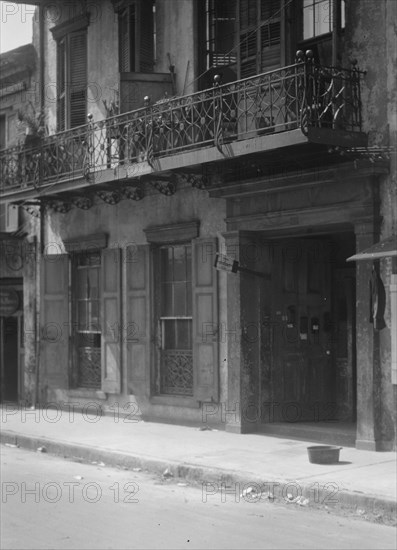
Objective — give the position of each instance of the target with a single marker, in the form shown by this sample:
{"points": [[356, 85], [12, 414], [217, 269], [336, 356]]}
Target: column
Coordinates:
{"points": [[367, 349], [242, 408]]}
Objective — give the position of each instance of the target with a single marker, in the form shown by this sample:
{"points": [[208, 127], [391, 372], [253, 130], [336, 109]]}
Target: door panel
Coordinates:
{"points": [[302, 376]]}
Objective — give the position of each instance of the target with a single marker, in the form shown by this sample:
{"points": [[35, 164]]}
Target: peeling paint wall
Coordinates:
{"points": [[372, 40]]}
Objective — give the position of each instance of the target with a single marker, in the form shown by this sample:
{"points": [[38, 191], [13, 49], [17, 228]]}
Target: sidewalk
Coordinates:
{"points": [[363, 481]]}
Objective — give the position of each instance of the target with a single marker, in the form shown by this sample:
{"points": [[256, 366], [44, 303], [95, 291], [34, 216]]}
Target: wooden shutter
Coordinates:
{"points": [[54, 321], [205, 320], [78, 78], [138, 317], [260, 24], [127, 22], [270, 35], [111, 320], [145, 33]]}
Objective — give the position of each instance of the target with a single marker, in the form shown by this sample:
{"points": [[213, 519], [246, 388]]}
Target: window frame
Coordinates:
{"points": [[341, 20], [162, 316], [77, 333], [131, 20], [63, 34]]}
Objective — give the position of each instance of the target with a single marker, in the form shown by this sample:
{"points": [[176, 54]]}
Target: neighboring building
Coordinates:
{"points": [[186, 128], [18, 97]]}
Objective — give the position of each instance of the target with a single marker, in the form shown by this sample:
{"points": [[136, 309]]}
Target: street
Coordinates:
{"points": [[52, 503]]}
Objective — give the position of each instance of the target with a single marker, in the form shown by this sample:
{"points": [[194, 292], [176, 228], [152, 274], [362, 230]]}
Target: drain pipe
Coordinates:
{"points": [[40, 232], [39, 253]]}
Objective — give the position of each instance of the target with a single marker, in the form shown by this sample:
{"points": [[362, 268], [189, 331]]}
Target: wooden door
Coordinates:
{"points": [[302, 376]]}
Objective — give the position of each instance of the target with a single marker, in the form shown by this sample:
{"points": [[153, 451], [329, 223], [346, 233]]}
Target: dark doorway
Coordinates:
{"points": [[308, 338], [9, 359]]}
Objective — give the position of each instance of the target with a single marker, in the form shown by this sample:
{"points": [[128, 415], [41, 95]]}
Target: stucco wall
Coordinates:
{"points": [[175, 35], [125, 223], [372, 40]]}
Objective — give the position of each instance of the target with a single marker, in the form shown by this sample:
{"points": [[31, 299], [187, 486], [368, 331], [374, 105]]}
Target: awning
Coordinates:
{"points": [[387, 247]]}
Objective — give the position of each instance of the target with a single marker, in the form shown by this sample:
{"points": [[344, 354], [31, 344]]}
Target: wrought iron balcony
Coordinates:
{"points": [[322, 103]]}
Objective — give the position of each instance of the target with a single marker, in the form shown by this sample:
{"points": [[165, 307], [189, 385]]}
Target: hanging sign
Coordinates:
{"points": [[225, 263], [9, 302]]}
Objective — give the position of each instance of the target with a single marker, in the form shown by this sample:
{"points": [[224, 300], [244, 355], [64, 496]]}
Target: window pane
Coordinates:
{"points": [[188, 263], [166, 264], [179, 263], [308, 20], [343, 14], [179, 299], [93, 283], [93, 318], [166, 300], [81, 290], [169, 334], [188, 298], [322, 20], [184, 334], [82, 315]]}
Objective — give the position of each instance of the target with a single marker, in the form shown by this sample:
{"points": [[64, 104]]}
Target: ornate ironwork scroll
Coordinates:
{"points": [[89, 367], [176, 372]]}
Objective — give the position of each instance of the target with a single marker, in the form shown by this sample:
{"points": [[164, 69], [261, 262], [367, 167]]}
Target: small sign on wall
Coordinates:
{"points": [[225, 263], [9, 302]]}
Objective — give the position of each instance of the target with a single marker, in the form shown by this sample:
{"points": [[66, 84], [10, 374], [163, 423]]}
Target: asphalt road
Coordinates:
{"points": [[52, 503]]}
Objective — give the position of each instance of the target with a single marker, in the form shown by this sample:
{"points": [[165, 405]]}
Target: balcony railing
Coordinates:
{"points": [[303, 95]]}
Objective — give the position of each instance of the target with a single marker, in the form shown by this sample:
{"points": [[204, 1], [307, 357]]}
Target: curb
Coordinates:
{"points": [[214, 480]]}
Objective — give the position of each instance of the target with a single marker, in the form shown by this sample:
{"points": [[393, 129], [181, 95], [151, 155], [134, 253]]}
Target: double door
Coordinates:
{"points": [[299, 331]]}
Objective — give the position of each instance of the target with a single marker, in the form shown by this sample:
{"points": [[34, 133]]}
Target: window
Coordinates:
{"points": [[137, 36], [71, 38], [87, 325], [176, 357], [72, 80], [260, 36], [318, 17], [220, 33]]}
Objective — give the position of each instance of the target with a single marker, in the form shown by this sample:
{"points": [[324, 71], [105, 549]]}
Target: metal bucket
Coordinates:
{"points": [[323, 454]]}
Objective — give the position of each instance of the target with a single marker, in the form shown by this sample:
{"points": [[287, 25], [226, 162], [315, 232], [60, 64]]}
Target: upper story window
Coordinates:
{"points": [[240, 38], [220, 36], [137, 36], [71, 38], [318, 17]]}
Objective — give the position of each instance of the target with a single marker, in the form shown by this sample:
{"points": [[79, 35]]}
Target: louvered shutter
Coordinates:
{"points": [[137, 332], [78, 78], [111, 320], [205, 321], [54, 321], [124, 49], [248, 37], [61, 86], [260, 36], [145, 32], [270, 35]]}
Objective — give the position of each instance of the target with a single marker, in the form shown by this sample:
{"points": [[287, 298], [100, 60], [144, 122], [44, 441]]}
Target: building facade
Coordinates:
{"points": [[191, 133], [18, 226]]}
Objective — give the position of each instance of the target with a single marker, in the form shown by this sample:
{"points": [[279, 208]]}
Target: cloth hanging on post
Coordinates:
{"points": [[377, 300]]}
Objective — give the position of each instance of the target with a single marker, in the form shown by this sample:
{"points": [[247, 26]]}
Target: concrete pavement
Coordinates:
{"points": [[363, 482]]}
